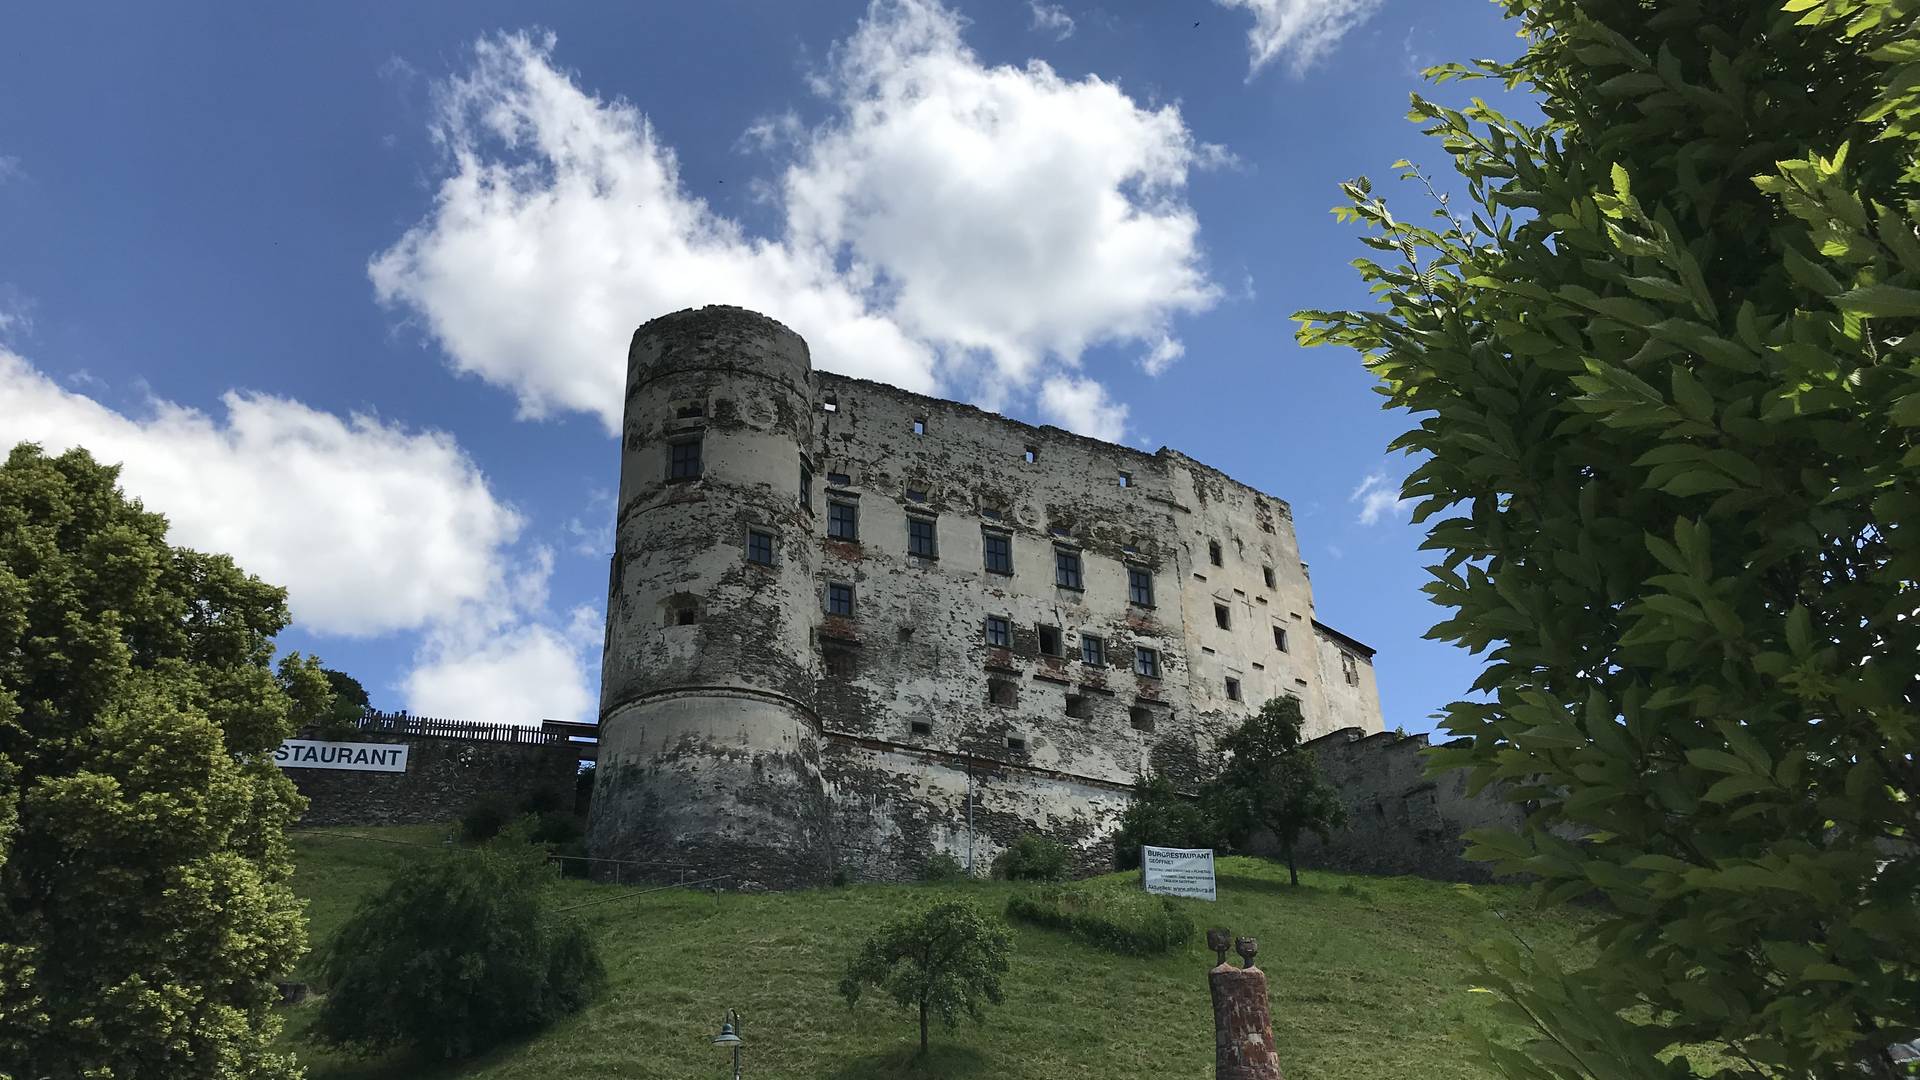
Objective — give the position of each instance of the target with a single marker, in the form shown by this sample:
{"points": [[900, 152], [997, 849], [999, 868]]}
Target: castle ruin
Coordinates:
{"points": [[850, 626]]}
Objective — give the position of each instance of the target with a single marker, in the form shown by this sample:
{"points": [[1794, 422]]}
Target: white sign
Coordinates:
{"points": [[1172, 871], [357, 756]]}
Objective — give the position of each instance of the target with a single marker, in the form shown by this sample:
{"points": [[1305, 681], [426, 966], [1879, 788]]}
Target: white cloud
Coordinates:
{"points": [[1084, 406], [523, 674], [590, 532], [1379, 499], [950, 228], [1052, 19], [1299, 31], [10, 168]]}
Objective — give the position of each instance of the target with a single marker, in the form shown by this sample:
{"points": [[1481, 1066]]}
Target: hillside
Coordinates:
{"points": [[1366, 981]]}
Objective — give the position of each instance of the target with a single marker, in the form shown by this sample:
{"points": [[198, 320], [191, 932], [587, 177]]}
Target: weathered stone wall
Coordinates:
{"points": [[443, 778], [1399, 821], [769, 732]]}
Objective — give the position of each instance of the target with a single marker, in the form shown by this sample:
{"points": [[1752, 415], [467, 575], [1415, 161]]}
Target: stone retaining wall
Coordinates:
{"points": [[444, 777]]}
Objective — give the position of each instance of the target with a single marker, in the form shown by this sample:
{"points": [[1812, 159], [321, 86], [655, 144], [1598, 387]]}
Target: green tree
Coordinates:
{"points": [[458, 953], [350, 702], [1033, 857], [1270, 781], [1162, 817], [942, 961], [143, 860], [1662, 372]]}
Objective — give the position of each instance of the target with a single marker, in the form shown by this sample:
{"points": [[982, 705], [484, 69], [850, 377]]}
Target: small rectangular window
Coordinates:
{"points": [[1079, 707], [999, 551], [1268, 572], [1350, 669], [1139, 586], [683, 459], [830, 404], [1002, 692], [922, 727], [1032, 454], [1146, 662], [1280, 638], [1015, 742], [999, 632], [1141, 718], [843, 521], [806, 487], [1233, 689], [990, 513], [915, 495], [919, 425], [1213, 552], [920, 538], [1126, 479], [1222, 617], [1093, 650], [1066, 568], [690, 411], [686, 617], [839, 479], [760, 547], [1049, 640], [839, 599]]}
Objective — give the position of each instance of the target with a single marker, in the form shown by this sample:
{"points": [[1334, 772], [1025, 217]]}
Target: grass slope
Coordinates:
{"points": [[1366, 981]]}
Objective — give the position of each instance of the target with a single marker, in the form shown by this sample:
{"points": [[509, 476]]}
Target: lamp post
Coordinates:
{"points": [[729, 1037]]}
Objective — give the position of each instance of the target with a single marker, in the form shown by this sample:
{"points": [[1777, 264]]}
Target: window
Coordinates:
{"points": [[1066, 568], [919, 425], [690, 411], [1267, 571], [922, 727], [999, 632], [1350, 669], [1233, 689], [999, 551], [1093, 650], [839, 662], [1002, 692], [1060, 529], [920, 540], [839, 599], [1049, 640], [990, 513], [1213, 552], [1079, 707], [843, 521], [760, 547], [686, 616], [915, 495], [830, 404], [1032, 454], [1141, 717], [806, 487], [1222, 617], [1126, 479], [1016, 743], [1139, 586], [683, 459], [1146, 662], [1280, 638], [839, 479]]}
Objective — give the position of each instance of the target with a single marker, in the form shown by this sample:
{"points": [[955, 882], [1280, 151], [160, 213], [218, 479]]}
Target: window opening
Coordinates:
{"points": [[920, 537], [760, 547], [839, 599], [843, 521], [1146, 662], [999, 632], [1141, 718], [1213, 552], [1222, 617], [1079, 707], [683, 459], [1139, 586], [1049, 640], [1233, 689], [998, 548], [1066, 568], [1093, 650]]}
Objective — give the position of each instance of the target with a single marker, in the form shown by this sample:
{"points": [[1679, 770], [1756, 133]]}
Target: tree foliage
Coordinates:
{"points": [[1270, 781], [1033, 857], [1664, 377], [943, 961], [459, 953], [350, 702], [144, 899], [1159, 816]]}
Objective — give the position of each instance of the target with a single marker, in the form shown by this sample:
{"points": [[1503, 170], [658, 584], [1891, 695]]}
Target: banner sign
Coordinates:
{"points": [[356, 756], [1173, 871]]}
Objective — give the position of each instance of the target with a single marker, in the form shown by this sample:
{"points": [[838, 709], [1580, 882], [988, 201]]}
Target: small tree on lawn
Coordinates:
{"points": [[460, 952], [942, 961], [1271, 781]]}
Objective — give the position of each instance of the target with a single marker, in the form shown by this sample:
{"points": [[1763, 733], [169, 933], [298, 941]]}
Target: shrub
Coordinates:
{"points": [[1160, 816], [555, 828], [1032, 858], [943, 866], [484, 819], [1131, 923], [944, 960], [459, 953]]}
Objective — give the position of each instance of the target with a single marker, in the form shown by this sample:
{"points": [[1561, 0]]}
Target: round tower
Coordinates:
{"points": [[709, 745]]}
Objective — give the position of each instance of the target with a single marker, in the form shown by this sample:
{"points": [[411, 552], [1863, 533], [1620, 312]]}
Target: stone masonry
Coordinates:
{"points": [[444, 777], [850, 626]]}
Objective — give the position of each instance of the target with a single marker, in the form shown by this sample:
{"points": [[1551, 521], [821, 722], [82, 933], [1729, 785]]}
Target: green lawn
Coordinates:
{"points": [[1364, 985]]}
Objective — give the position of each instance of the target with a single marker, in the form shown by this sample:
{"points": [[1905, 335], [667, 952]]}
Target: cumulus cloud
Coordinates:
{"points": [[950, 227], [1051, 19], [1299, 32], [1084, 406], [372, 529], [1379, 499]]}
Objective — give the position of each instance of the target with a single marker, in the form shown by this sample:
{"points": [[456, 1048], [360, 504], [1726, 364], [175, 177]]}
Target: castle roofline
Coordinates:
{"points": [[1345, 638], [1162, 455]]}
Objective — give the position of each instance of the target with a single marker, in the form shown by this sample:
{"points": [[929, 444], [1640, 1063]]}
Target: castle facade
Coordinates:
{"points": [[850, 626]]}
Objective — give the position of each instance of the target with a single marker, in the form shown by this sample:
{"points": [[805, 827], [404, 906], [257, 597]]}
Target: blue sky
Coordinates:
{"points": [[348, 287]]}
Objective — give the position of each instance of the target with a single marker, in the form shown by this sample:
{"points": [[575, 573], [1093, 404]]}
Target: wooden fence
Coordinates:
{"points": [[405, 723]]}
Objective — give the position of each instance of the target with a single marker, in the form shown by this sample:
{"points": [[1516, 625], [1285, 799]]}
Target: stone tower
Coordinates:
{"points": [[709, 739]]}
